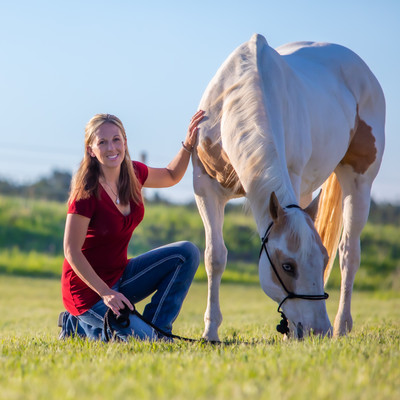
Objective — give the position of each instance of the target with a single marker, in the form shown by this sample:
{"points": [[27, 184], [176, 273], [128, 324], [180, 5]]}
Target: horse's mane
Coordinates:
{"points": [[244, 121]]}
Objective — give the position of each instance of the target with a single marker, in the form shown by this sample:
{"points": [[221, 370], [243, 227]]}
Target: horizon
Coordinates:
{"points": [[155, 194]]}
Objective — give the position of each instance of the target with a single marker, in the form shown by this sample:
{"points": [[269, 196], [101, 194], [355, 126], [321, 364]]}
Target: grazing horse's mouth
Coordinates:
{"points": [[300, 330]]}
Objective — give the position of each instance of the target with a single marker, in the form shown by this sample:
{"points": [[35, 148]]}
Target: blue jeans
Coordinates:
{"points": [[167, 272]]}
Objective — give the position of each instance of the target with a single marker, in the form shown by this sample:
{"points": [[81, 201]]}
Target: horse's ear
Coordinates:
{"points": [[312, 208], [275, 208]]}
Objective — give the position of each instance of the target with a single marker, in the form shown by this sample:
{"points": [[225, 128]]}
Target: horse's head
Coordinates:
{"points": [[292, 263]]}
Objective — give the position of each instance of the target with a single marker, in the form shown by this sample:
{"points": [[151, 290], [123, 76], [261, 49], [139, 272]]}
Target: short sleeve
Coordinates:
{"points": [[141, 171], [85, 207]]}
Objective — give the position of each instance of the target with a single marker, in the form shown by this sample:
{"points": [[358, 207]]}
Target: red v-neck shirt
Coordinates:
{"points": [[105, 246]]}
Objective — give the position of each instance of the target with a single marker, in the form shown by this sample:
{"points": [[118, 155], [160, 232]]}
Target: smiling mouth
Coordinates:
{"points": [[112, 157]]}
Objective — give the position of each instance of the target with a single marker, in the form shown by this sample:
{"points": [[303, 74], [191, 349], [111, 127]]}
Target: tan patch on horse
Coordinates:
{"points": [[278, 259], [218, 166], [362, 151], [293, 242]]}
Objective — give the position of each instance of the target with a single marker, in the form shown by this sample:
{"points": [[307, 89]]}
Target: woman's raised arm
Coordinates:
{"points": [[174, 172]]}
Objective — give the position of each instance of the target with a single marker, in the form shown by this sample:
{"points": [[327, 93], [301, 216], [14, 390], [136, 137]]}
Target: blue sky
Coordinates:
{"points": [[149, 62]]}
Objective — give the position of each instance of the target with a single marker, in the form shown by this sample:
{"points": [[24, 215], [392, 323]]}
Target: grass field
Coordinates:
{"points": [[255, 364]]}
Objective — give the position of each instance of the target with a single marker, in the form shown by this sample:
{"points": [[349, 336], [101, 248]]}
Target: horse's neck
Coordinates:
{"points": [[255, 144], [256, 155], [241, 116]]}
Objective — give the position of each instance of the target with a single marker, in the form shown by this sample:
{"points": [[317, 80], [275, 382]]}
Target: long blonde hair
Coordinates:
{"points": [[86, 180]]}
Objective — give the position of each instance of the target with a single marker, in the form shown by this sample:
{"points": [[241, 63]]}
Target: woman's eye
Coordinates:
{"points": [[289, 268]]}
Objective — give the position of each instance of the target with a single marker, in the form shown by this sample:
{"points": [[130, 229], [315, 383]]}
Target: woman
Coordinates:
{"points": [[104, 208]]}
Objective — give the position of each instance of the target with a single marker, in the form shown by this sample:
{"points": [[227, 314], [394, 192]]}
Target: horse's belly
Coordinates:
{"points": [[318, 170], [311, 182]]}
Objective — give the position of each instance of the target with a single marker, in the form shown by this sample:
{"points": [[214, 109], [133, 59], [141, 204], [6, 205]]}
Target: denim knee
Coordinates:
{"points": [[191, 253]]}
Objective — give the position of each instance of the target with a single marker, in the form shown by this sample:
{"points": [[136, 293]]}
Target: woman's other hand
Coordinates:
{"points": [[116, 301]]}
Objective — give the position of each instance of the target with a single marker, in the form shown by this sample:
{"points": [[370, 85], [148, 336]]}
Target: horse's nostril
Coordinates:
{"points": [[300, 332]]}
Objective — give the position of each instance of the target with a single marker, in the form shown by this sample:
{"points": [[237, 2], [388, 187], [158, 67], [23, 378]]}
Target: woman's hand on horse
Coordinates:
{"points": [[193, 129], [116, 301]]}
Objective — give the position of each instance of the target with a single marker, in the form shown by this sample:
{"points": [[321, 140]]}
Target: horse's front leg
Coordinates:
{"points": [[211, 209]]}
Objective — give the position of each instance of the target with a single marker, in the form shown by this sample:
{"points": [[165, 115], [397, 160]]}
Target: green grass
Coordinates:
{"points": [[30, 263], [254, 364], [257, 364]]}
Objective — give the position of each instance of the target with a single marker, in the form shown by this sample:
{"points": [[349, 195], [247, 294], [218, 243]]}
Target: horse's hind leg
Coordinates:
{"points": [[355, 173], [211, 206], [356, 201]]}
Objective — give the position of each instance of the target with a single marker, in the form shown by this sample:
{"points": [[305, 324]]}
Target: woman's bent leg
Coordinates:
{"points": [[72, 326], [167, 272]]}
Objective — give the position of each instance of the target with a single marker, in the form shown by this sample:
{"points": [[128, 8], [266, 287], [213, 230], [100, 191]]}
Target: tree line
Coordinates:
{"points": [[56, 187]]}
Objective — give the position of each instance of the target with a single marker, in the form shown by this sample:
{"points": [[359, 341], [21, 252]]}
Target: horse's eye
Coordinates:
{"points": [[288, 268]]}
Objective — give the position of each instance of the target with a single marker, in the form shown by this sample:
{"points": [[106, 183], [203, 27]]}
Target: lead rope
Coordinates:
{"points": [[123, 321]]}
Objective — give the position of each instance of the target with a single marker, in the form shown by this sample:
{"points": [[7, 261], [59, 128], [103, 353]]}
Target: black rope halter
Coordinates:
{"points": [[283, 326]]}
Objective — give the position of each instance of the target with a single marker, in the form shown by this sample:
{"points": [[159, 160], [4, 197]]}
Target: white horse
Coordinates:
{"points": [[280, 123]]}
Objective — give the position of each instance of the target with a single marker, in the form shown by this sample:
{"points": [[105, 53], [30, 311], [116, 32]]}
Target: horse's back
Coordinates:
{"points": [[329, 56], [333, 63], [339, 90]]}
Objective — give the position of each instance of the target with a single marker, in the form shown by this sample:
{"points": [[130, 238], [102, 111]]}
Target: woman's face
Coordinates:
{"points": [[108, 146]]}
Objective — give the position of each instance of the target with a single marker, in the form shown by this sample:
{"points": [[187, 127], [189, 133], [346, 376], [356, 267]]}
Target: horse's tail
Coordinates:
{"points": [[329, 219]]}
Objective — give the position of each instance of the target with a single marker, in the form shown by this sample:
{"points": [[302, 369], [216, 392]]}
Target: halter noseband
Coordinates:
{"points": [[283, 327]]}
